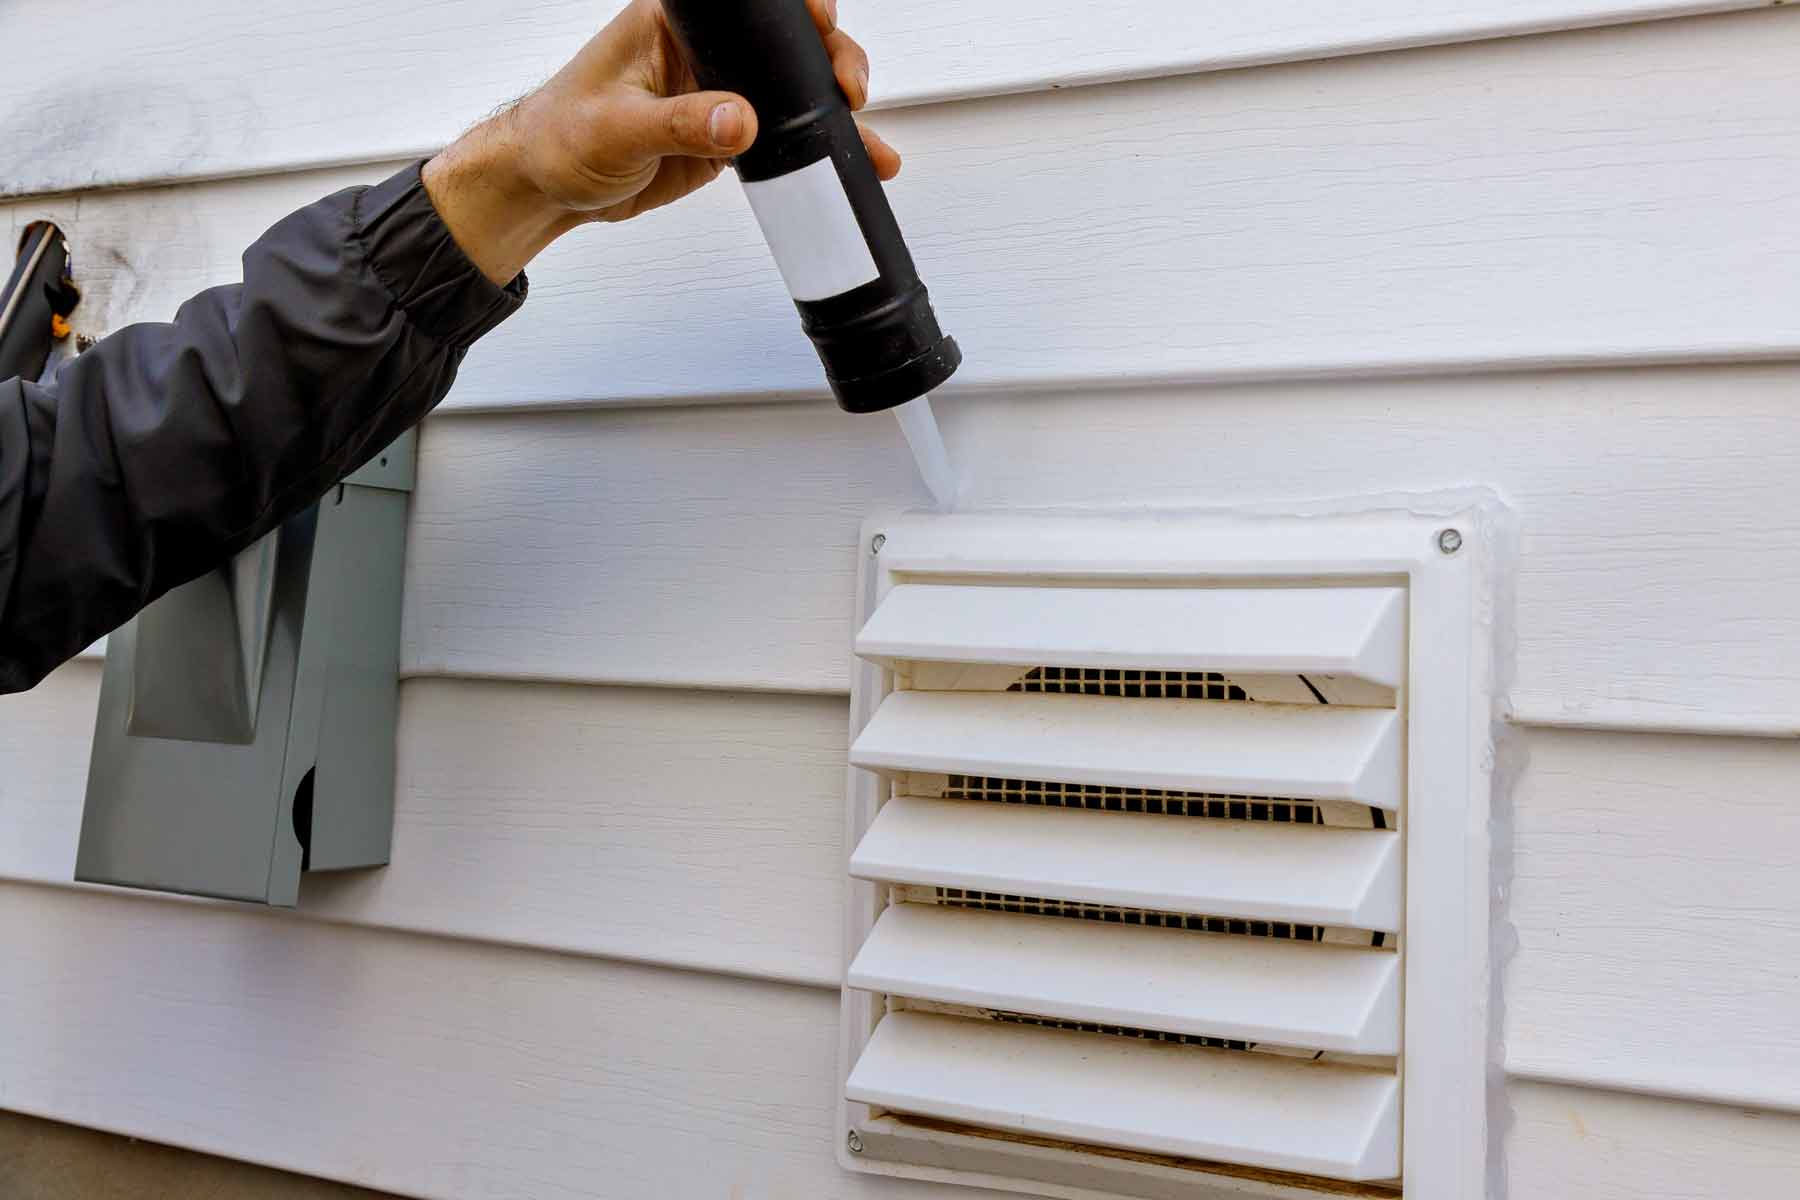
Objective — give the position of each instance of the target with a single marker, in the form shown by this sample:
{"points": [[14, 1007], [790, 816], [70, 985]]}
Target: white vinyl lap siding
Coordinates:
{"points": [[315, 89], [1447, 209], [1585, 1002], [519, 567], [605, 958]]}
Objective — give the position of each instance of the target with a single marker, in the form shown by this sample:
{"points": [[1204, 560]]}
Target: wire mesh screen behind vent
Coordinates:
{"points": [[1152, 801], [1139, 684], [1107, 885], [1036, 906]]}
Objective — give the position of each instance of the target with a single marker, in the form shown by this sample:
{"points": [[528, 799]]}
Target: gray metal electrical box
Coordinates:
{"points": [[246, 725]]}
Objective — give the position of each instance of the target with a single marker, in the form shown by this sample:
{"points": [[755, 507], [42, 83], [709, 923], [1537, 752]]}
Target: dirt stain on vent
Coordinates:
{"points": [[1159, 685], [1217, 806], [1077, 910]]}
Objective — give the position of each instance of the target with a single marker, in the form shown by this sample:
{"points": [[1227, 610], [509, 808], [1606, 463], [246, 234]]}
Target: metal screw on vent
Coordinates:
{"points": [[855, 1142], [877, 542], [1450, 541]]}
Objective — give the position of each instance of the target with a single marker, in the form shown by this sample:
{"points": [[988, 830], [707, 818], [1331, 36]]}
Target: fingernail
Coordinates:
{"points": [[725, 125], [862, 81], [831, 12]]}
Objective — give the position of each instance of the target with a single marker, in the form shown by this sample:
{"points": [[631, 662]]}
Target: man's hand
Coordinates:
{"points": [[620, 130]]}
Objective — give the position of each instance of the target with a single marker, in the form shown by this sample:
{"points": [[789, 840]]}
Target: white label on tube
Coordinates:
{"points": [[811, 229]]}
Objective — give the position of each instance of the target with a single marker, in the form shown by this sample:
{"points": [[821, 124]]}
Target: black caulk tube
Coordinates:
{"points": [[820, 203]]}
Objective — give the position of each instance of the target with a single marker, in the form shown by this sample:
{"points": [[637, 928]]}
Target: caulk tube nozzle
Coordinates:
{"points": [[819, 201]]}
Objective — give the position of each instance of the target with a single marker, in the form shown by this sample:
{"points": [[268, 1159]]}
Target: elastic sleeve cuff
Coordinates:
{"points": [[410, 249]]}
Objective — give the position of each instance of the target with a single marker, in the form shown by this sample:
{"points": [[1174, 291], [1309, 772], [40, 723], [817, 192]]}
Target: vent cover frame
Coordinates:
{"points": [[1447, 766]]}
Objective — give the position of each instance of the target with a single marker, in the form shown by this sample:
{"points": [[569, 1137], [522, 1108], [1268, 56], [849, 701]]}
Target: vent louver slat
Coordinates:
{"points": [[1177, 864], [1322, 753], [1257, 1110], [1349, 632], [1249, 989]]}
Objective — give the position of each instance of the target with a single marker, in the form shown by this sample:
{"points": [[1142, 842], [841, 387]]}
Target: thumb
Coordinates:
{"points": [[699, 124]]}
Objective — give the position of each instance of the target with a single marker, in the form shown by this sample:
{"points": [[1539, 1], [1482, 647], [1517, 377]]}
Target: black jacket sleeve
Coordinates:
{"points": [[165, 449]]}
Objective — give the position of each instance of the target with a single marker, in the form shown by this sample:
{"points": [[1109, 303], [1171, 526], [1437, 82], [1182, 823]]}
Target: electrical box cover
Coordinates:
{"points": [[246, 723]]}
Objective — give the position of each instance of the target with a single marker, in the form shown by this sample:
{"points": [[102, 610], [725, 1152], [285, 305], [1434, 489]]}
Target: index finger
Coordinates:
{"points": [[850, 63]]}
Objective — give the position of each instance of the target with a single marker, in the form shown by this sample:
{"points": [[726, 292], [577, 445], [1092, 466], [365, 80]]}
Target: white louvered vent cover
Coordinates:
{"points": [[1156, 826]]}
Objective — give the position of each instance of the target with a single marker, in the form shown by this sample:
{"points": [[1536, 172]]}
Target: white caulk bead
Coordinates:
{"points": [[921, 430]]}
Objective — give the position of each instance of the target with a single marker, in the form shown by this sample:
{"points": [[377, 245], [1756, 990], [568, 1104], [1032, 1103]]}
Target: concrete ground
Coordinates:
{"points": [[41, 1160]]}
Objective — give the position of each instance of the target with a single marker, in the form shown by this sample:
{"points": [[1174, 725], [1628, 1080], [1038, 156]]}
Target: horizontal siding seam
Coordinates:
{"points": [[818, 980], [1327, 49], [1449, 366], [1538, 711], [1525, 711], [1528, 710], [1318, 51], [1516, 1067], [747, 685], [1758, 1099]]}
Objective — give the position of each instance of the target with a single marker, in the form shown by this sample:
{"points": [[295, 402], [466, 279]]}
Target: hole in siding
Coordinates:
{"points": [[1139, 685]]}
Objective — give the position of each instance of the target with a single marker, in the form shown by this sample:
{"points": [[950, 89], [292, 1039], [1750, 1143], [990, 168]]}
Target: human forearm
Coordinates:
{"points": [[167, 447], [499, 217]]}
